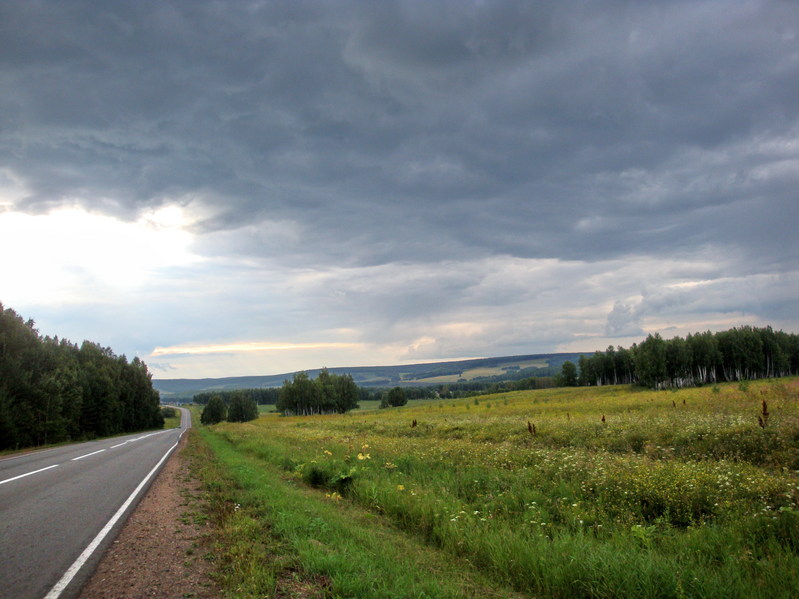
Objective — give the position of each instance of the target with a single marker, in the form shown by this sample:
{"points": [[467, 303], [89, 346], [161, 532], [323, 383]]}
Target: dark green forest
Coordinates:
{"points": [[741, 353], [51, 390]]}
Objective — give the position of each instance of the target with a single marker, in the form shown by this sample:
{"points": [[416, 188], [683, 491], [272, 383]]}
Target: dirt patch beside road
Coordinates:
{"points": [[160, 550]]}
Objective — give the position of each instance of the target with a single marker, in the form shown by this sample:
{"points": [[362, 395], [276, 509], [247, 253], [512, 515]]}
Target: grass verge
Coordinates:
{"points": [[277, 538]]}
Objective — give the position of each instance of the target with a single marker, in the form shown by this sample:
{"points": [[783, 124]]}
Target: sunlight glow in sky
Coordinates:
{"points": [[65, 253], [253, 346]]}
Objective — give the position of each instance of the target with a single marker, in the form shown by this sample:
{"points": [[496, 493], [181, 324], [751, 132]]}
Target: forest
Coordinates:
{"points": [[52, 390], [737, 354]]}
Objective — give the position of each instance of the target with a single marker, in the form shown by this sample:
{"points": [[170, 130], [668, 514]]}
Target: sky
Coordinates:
{"points": [[228, 188]]}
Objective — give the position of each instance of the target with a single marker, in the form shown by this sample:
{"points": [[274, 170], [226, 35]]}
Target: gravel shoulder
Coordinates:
{"points": [[161, 550]]}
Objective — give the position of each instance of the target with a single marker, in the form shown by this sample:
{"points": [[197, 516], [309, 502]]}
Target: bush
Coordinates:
{"points": [[242, 408], [214, 412], [394, 398]]}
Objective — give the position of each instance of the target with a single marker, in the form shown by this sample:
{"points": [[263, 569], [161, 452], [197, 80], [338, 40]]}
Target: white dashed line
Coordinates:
{"points": [[8, 480], [87, 455]]}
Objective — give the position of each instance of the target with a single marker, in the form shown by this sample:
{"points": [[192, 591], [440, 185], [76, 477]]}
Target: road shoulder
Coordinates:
{"points": [[160, 550]]}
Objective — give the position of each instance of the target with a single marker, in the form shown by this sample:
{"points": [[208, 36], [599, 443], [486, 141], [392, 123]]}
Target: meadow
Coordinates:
{"points": [[572, 492]]}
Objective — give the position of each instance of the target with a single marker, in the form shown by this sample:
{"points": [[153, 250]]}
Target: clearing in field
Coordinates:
{"points": [[581, 492], [473, 373]]}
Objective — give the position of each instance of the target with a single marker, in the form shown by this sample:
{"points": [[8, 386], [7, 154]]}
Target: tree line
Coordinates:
{"points": [[326, 394], [233, 406], [741, 353], [260, 396], [51, 390], [271, 395]]}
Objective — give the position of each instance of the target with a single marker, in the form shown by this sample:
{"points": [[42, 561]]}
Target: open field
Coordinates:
{"points": [[471, 374], [675, 494]]}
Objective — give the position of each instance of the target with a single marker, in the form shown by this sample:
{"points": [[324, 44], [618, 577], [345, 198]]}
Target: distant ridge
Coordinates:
{"points": [[430, 373]]}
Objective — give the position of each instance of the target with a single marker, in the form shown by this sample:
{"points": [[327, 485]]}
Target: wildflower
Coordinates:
{"points": [[328, 452], [400, 487], [364, 456]]}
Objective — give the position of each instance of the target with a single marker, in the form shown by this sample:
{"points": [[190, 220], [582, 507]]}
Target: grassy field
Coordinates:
{"points": [[172, 422], [587, 492], [473, 373]]}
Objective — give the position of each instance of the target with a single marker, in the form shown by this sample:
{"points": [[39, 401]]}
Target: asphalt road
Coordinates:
{"points": [[61, 507]]}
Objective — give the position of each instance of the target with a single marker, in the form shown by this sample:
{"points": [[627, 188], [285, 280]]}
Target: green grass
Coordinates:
{"points": [[675, 494], [371, 404], [270, 527], [173, 422]]}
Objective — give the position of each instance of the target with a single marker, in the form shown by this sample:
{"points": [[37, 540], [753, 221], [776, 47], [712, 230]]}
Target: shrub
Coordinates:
{"points": [[214, 412]]}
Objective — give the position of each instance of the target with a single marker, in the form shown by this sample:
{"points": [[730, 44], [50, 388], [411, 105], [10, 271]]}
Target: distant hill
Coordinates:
{"points": [[432, 373]]}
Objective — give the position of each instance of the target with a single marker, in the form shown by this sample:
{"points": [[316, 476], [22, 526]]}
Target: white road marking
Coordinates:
{"points": [[59, 587], [139, 438], [87, 455], [8, 480]]}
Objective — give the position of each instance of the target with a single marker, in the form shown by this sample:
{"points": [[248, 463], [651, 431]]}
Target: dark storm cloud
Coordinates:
{"points": [[417, 130]]}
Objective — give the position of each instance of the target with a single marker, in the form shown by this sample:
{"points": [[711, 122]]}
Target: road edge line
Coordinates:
{"points": [[62, 584]]}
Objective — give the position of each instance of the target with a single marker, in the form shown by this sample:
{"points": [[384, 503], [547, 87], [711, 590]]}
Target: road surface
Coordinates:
{"points": [[61, 507]]}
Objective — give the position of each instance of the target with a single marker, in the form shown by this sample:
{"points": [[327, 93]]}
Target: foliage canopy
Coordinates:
{"points": [[742, 353], [51, 390], [214, 412], [326, 394]]}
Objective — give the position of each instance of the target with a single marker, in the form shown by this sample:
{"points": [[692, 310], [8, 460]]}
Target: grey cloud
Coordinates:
{"points": [[623, 321], [484, 128], [361, 135]]}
